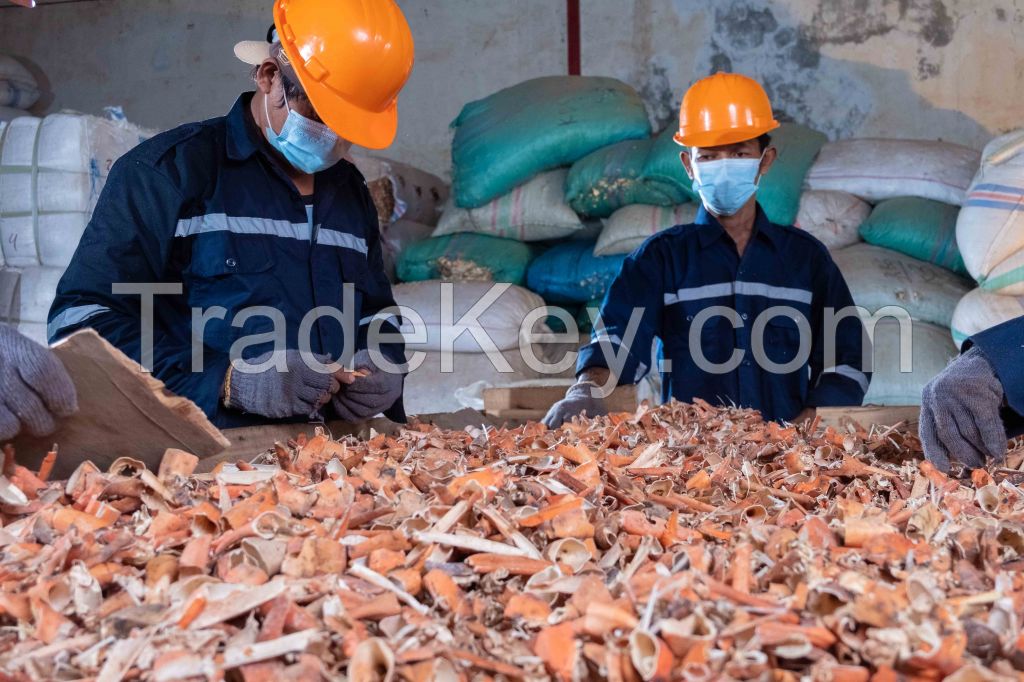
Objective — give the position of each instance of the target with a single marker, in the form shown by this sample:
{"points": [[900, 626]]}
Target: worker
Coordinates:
{"points": [[971, 409], [732, 297], [252, 239], [34, 387]]}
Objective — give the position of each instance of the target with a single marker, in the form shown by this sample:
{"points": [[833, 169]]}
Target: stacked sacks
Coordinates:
{"points": [[18, 89], [990, 234], [910, 260], [51, 173], [408, 202], [510, 165], [922, 296]]}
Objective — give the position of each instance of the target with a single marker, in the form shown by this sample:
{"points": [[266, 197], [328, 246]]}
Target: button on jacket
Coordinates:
{"points": [[204, 205], [1003, 347], [678, 274]]}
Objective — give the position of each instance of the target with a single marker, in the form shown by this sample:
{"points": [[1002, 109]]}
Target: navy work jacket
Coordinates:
{"points": [[1003, 347], [204, 205], [677, 275]]}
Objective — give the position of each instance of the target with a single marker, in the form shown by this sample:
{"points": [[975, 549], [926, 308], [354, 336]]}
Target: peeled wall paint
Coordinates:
{"points": [[949, 69]]}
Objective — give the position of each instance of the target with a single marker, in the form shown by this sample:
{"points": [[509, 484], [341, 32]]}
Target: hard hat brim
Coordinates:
{"points": [[370, 129], [723, 137]]}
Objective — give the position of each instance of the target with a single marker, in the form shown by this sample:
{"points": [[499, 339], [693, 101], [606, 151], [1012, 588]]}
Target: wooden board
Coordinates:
{"points": [[868, 415], [531, 401], [122, 411]]}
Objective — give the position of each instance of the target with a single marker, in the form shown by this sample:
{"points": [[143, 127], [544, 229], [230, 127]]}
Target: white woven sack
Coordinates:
{"points": [[932, 350], [533, 211], [833, 218], [630, 226], [980, 310], [990, 227], [876, 169], [879, 277], [500, 320]]}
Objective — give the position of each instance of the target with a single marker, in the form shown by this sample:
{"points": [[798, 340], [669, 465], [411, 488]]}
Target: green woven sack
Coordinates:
{"points": [[664, 170], [466, 256], [924, 229], [505, 139], [608, 179], [780, 189]]}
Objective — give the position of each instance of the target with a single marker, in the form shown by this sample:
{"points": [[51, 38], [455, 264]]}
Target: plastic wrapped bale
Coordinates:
{"points": [[779, 190], [571, 273], [505, 139], [608, 179], [25, 299], [990, 227], [502, 311], [52, 171], [833, 218], [631, 226], [879, 277], [466, 257], [878, 169], [930, 350], [924, 229], [403, 191], [533, 211], [980, 310]]}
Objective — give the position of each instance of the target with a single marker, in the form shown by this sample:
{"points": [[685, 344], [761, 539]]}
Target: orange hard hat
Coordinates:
{"points": [[724, 109], [352, 57]]}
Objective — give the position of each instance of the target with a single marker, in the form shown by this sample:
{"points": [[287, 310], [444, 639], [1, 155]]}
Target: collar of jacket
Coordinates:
{"points": [[709, 229], [243, 136]]}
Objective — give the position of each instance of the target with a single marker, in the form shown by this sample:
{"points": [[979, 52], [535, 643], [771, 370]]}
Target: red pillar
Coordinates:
{"points": [[572, 12]]}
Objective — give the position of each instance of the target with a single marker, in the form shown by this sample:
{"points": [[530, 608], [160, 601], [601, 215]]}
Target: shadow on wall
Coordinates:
{"points": [[842, 98]]}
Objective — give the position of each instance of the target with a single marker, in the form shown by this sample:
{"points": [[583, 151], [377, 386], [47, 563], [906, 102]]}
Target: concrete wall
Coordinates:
{"points": [[951, 69]]}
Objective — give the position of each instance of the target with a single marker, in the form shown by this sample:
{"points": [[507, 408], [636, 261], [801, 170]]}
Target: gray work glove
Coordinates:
{"points": [[578, 399], [298, 391], [960, 418], [34, 387], [367, 396]]}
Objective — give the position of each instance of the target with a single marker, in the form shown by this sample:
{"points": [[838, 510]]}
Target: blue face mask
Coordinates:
{"points": [[307, 145], [725, 184]]}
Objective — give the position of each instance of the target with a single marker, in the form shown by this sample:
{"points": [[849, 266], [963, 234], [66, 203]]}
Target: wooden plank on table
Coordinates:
{"points": [[122, 412], [525, 401], [883, 415]]}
